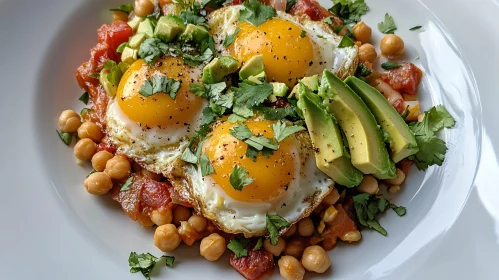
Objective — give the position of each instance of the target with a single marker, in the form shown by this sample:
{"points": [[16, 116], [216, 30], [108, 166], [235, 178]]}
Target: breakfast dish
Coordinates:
{"points": [[271, 129]]}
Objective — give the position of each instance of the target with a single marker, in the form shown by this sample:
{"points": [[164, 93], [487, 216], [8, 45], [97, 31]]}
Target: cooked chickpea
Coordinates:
{"points": [[392, 46], [368, 185], [362, 32], [212, 247], [397, 181], [277, 249], [197, 222], [166, 238], [85, 149], [69, 121], [306, 227], [119, 15], [315, 259], [152, 175], [367, 52], [161, 216], [290, 268], [181, 213], [98, 183], [294, 248], [100, 159], [143, 7], [332, 197], [394, 189], [118, 168], [291, 231], [90, 130]]}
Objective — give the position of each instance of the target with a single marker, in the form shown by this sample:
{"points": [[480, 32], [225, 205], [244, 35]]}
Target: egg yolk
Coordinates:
{"points": [[287, 54], [271, 175], [160, 110]]}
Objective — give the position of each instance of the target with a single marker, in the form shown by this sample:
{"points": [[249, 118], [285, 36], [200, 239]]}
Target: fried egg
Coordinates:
{"points": [[154, 130], [292, 47], [288, 183]]}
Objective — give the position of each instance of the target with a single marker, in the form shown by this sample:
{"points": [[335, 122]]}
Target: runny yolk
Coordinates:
{"points": [[160, 110], [287, 54], [271, 175]]}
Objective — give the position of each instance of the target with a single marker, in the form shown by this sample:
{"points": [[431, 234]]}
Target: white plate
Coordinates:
{"points": [[54, 229]]}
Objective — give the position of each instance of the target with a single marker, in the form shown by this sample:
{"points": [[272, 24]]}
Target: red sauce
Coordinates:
{"points": [[404, 79], [254, 266]]}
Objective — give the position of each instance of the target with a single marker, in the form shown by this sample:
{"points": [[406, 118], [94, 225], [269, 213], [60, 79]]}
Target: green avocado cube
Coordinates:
{"points": [[194, 33], [169, 27], [280, 89], [108, 86], [218, 68], [146, 27], [252, 67], [129, 55], [136, 40], [134, 23], [258, 79]]}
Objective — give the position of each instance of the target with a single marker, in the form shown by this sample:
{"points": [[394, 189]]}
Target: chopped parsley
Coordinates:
{"points": [[258, 245], [252, 95], [415, 28], [388, 25], [281, 131], [209, 116], [126, 8], [243, 133], [151, 49], [234, 118], [127, 184], [205, 164], [238, 247], [189, 156], [160, 83], [143, 263], [169, 260], [274, 224], [390, 65], [362, 71], [303, 33], [230, 38], [256, 12], [277, 113], [350, 11], [368, 207], [239, 178], [84, 98], [290, 4], [65, 137], [346, 42]]}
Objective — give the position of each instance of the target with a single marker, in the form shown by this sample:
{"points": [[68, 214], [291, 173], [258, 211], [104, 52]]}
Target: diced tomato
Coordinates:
{"points": [[113, 35], [405, 165], [254, 266], [314, 10], [103, 146], [341, 225], [404, 79]]}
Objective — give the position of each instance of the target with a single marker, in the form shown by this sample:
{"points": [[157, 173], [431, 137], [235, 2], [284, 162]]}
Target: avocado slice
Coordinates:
{"points": [[252, 67], [146, 27], [311, 82], [402, 141], [136, 40], [279, 89], [331, 157], [134, 23], [106, 84], [129, 55], [218, 68], [364, 137], [168, 27], [194, 33]]}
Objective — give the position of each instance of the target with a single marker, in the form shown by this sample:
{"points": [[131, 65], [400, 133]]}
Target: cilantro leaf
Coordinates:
{"points": [[390, 65], [160, 83], [195, 60], [242, 132], [281, 131], [277, 113], [242, 111], [122, 47], [274, 224], [127, 184], [368, 207], [252, 153], [169, 260], [151, 49], [84, 98], [65, 137], [256, 12], [234, 118], [290, 4], [198, 90], [416, 28], [230, 38], [362, 71], [258, 245], [191, 17], [143, 263], [209, 116], [239, 178], [238, 247], [350, 11], [206, 167], [388, 25], [126, 8], [114, 72], [346, 42], [189, 156], [252, 95]]}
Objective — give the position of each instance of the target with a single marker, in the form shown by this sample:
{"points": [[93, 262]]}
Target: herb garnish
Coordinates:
{"points": [[65, 137], [238, 246], [127, 184], [160, 83], [416, 28], [144, 263], [350, 11], [230, 38], [281, 131], [346, 42], [252, 95], [256, 12], [239, 178], [205, 164], [390, 65], [274, 224], [84, 98], [388, 25], [367, 207]]}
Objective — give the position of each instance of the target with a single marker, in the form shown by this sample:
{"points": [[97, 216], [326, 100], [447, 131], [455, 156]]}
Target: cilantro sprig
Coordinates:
{"points": [[252, 95], [243, 133], [144, 263], [160, 83], [127, 184], [350, 11], [230, 38], [239, 178], [368, 207], [274, 224], [256, 12], [388, 25], [282, 131], [65, 137], [238, 247]]}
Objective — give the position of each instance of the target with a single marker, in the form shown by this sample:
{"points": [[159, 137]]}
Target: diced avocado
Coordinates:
{"points": [[194, 33], [169, 27], [364, 137], [108, 86], [402, 140], [280, 89], [136, 40], [134, 23], [129, 55], [331, 156], [218, 68], [258, 79], [252, 67], [311, 82], [146, 27]]}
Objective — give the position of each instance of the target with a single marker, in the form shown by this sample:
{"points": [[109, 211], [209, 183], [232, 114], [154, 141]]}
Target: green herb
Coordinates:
{"points": [[416, 28], [368, 207], [198, 90], [303, 34], [431, 148], [281, 131], [151, 49], [126, 8], [65, 137], [92, 172], [214, 4], [127, 184], [234, 118], [191, 17], [230, 38], [256, 12], [206, 167], [417, 57], [122, 47], [362, 71], [84, 98], [195, 60], [252, 153], [143, 263], [277, 113], [238, 247], [209, 116], [189, 156], [243, 133], [290, 4], [258, 245], [252, 95], [346, 42], [274, 224], [350, 11], [388, 25], [85, 111], [242, 111], [94, 75], [338, 29], [239, 178], [169, 260], [160, 83], [390, 65]]}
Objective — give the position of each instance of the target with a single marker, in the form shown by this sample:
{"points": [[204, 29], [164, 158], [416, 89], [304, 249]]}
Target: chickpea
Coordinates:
{"points": [[98, 183], [367, 52], [143, 7], [295, 248], [100, 159], [85, 149], [119, 15], [90, 130], [161, 216], [144, 220], [315, 259], [164, 2], [181, 213], [69, 121], [291, 231], [397, 181], [306, 227], [362, 32], [118, 168], [275, 250], [392, 46], [332, 197], [212, 247], [394, 189], [368, 185], [149, 174], [290, 268], [197, 222], [166, 238]]}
